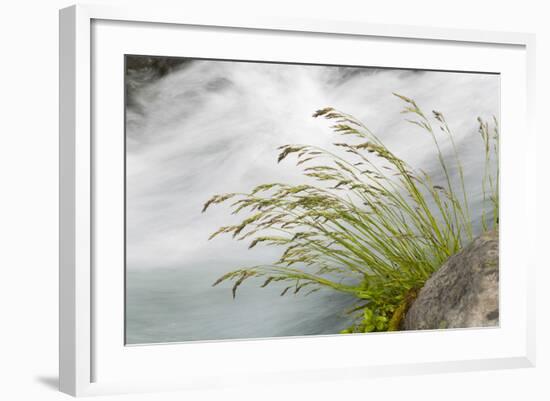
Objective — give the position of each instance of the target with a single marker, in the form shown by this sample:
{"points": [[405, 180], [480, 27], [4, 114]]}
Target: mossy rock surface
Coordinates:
{"points": [[463, 292]]}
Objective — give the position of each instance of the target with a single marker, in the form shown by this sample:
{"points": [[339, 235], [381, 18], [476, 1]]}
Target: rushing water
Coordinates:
{"points": [[211, 127]]}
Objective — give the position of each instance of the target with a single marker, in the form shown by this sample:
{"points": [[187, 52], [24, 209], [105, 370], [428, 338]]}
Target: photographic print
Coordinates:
{"points": [[269, 199]]}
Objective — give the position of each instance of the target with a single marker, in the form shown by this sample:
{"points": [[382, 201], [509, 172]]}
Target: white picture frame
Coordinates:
{"points": [[87, 334]]}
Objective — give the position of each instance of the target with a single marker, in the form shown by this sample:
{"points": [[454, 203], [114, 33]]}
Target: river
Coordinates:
{"points": [[209, 127]]}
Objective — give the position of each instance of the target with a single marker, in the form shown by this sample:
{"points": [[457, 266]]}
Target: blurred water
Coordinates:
{"points": [[213, 127], [167, 305]]}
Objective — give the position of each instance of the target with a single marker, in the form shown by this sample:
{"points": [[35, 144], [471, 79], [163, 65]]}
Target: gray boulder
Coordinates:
{"points": [[463, 292]]}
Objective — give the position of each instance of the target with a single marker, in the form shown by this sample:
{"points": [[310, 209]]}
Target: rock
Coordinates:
{"points": [[463, 292], [158, 66]]}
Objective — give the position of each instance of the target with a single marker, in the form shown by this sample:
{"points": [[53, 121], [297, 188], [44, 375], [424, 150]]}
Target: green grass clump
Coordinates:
{"points": [[370, 225]]}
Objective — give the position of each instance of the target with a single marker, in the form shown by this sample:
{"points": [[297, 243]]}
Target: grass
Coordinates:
{"points": [[370, 225]]}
